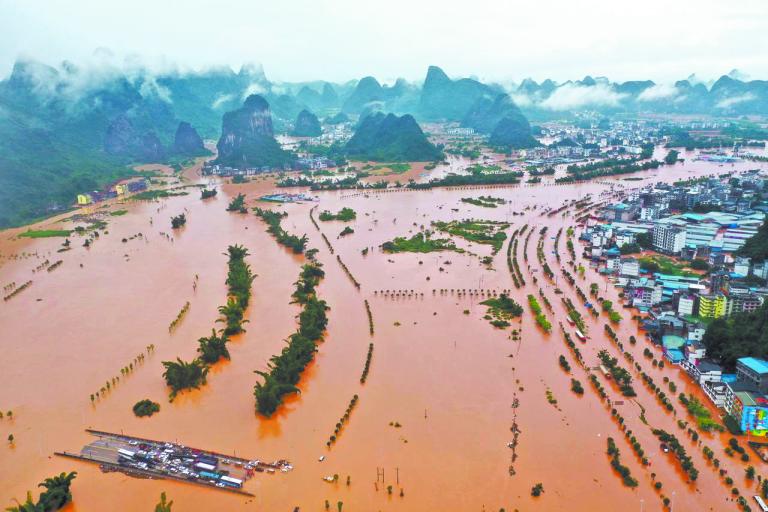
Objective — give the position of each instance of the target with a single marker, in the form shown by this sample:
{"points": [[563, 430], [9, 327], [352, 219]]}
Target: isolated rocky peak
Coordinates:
{"points": [[187, 140]]}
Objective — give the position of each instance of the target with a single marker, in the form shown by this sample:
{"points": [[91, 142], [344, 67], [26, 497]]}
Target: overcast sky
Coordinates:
{"points": [[341, 39]]}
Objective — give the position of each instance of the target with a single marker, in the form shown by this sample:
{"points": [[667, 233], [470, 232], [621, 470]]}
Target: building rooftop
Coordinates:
{"points": [[759, 366]]}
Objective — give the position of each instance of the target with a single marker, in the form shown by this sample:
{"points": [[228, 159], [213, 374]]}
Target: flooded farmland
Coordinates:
{"points": [[454, 414]]}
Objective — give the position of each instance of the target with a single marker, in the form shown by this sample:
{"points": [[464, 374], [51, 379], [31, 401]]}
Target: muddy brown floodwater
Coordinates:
{"points": [[448, 379]]}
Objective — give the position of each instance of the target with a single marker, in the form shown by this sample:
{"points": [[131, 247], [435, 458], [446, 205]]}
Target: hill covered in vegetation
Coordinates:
{"points": [[248, 139], [742, 335], [389, 138]]}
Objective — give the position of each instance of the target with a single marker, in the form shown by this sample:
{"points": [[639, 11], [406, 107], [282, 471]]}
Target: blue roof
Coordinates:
{"points": [[757, 365], [674, 355]]}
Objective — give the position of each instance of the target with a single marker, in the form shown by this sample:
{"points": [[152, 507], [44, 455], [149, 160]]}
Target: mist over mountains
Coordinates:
{"points": [[66, 129]]}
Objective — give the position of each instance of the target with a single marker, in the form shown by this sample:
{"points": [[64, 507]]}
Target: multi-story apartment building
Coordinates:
{"points": [[668, 239]]}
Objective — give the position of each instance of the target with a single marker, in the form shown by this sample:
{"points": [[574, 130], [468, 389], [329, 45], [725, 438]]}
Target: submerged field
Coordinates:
{"points": [[455, 412]]}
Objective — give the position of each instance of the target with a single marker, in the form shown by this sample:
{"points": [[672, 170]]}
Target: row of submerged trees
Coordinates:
{"points": [[284, 370], [179, 374], [272, 218]]}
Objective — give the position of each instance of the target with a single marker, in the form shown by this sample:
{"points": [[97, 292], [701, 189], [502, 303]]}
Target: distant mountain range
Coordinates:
{"points": [[66, 129]]}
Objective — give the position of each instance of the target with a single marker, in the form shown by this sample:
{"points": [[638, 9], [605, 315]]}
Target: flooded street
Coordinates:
{"points": [[436, 413]]}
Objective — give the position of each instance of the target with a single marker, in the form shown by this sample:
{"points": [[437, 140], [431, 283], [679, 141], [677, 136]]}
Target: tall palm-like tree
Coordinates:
{"points": [[164, 505], [28, 506]]}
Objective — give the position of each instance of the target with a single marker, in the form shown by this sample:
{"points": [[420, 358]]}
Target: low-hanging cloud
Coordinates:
{"points": [[735, 100], [222, 99], [72, 83], [253, 88], [571, 96], [658, 92]]}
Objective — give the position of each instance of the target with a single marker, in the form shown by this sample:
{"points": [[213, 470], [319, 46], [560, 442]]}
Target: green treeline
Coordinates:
{"points": [[621, 469], [741, 335], [180, 375], [56, 495], [273, 219], [237, 204], [456, 180], [239, 279], [541, 318], [285, 369], [604, 168]]}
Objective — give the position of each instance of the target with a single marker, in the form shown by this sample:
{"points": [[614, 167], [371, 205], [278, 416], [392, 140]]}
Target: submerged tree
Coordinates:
{"points": [[163, 506], [213, 348], [180, 375]]}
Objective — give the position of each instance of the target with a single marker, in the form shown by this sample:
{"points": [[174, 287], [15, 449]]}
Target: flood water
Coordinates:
{"points": [[449, 379]]}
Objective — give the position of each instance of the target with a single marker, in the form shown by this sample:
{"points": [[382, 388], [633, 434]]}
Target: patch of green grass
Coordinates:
{"points": [[420, 242], [665, 265], [484, 201], [502, 309], [118, 213], [46, 233], [478, 231]]}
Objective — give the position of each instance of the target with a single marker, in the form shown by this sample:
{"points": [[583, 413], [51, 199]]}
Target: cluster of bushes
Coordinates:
{"points": [[208, 192], [541, 319], [285, 369], [576, 387], [699, 411], [613, 453], [178, 221], [273, 220], [237, 204], [613, 315], [344, 215], [564, 364], [180, 375], [571, 250], [622, 377], [367, 367], [735, 447], [145, 407], [340, 425], [679, 451], [213, 348]]}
